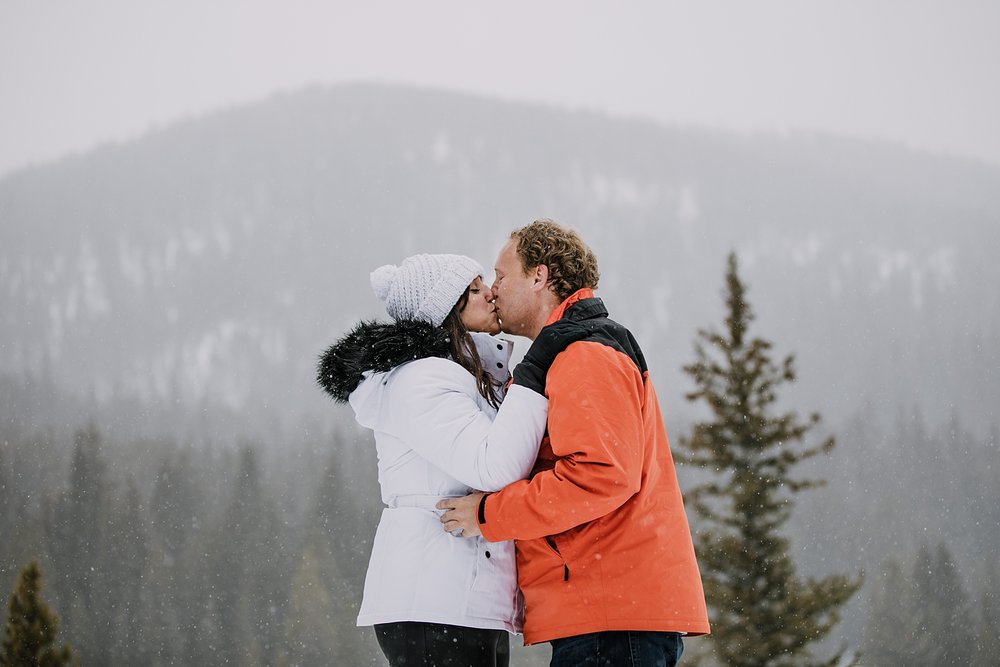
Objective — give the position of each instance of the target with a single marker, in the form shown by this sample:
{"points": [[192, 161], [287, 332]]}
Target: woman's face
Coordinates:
{"points": [[479, 313]]}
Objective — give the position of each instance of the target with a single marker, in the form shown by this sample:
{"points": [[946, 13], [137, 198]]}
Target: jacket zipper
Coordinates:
{"points": [[552, 544]]}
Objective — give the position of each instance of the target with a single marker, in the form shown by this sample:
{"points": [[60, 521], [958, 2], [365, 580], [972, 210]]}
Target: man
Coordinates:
{"points": [[604, 552]]}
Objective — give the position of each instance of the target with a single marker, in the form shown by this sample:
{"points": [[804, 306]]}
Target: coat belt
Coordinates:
{"points": [[424, 502]]}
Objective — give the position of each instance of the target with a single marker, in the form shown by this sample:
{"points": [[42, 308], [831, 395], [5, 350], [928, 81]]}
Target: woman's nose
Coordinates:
{"points": [[489, 294]]}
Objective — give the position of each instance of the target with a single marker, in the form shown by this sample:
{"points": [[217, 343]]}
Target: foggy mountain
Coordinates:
{"points": [[204, 265]]}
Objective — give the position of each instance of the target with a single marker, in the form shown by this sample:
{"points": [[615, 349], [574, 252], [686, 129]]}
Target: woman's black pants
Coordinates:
{"points": [[436, 645]]}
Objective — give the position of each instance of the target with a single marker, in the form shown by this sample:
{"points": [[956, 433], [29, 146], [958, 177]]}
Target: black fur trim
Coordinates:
{"points": [[372, 346]]}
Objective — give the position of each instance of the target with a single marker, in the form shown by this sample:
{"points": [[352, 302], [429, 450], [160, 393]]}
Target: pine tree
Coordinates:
{"points": [[988, 622], [174, 505], [76, 532], [128, 558], [762, 612], [6, 502], [892, 619], [32, 627], [328, 583], [250, 570], [177, 567], [925, 619], [944, 625], [987, 632], [316, 633]]}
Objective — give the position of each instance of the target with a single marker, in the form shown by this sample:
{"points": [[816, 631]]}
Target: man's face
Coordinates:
{"points": [[512, 291]]}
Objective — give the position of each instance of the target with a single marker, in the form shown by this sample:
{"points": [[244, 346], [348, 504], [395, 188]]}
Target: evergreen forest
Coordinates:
{"points": [[168, 552]]}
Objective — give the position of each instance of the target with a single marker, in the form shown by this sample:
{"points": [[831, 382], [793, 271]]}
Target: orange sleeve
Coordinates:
{"points": [[595, 431]]}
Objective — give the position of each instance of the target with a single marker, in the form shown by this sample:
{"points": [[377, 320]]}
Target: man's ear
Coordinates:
{"points": [[541, 277]]}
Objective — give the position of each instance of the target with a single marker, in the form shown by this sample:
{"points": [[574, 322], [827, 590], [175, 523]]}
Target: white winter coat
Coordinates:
{"points": [[436, 437]]}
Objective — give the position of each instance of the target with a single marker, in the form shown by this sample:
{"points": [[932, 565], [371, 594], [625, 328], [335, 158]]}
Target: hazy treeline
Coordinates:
{"points": [[916, 508], [161, 552]]}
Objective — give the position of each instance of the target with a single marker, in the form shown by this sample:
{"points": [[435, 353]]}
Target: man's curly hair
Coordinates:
{"points": [[572, 264]]}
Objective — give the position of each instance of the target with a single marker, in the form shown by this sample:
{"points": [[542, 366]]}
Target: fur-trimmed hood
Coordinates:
{"points": [[379, 347]]}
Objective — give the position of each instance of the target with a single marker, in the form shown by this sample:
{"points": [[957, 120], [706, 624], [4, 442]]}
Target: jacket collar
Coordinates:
{"points": [[374, 346], [378, 347], [580, 305], [495, 354]]}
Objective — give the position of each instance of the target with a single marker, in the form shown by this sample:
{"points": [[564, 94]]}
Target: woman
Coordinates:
{"points": [[429, 385]]}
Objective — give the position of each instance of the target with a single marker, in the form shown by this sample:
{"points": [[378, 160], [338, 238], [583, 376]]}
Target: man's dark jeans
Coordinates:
{"points": [[618, 649]]}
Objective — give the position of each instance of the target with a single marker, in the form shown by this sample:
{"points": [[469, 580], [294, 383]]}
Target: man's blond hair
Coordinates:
{"points": [[572, 264]]}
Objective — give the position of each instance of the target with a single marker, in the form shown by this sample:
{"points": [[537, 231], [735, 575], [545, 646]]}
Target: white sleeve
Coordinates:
{"points": [[431, 407]]}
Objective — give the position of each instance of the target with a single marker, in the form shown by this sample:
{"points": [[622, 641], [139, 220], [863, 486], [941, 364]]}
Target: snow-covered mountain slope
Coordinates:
{"points": [[208, 262]]}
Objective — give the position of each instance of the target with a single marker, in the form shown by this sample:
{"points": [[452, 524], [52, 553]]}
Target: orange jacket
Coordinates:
{"points": [[602, 539]]}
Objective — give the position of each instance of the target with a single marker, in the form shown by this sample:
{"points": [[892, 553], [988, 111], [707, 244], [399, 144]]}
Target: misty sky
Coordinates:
{"points": [[920, 73]]}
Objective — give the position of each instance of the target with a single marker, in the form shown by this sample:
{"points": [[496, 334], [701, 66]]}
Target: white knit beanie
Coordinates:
{"points": [[424, 287]]}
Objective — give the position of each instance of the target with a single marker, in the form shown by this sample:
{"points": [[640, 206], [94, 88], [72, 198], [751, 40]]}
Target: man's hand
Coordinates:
{"points": [[461, 514]]}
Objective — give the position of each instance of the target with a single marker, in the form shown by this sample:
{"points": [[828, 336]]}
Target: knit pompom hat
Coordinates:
{"points": [[424, 287]]}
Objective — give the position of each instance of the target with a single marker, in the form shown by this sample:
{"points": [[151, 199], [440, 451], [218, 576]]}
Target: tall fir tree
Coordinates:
{"points": [[32, 627], [329, 580], [175, 504], [944, 633], [988, 619], [316, 632], [251, 571], [762, 612], [892, 618], [177, 511], [925, 619], [987, 632], [76, 532], [128, 563], [6, 500]]}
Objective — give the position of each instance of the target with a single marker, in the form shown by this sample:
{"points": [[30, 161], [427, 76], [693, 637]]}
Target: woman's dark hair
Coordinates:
{"points": [[463, 351]]}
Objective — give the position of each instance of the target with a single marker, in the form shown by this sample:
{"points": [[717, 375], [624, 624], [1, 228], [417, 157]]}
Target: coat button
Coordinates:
{"points": [[487, 554], [499, 365], [499, 346]]}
